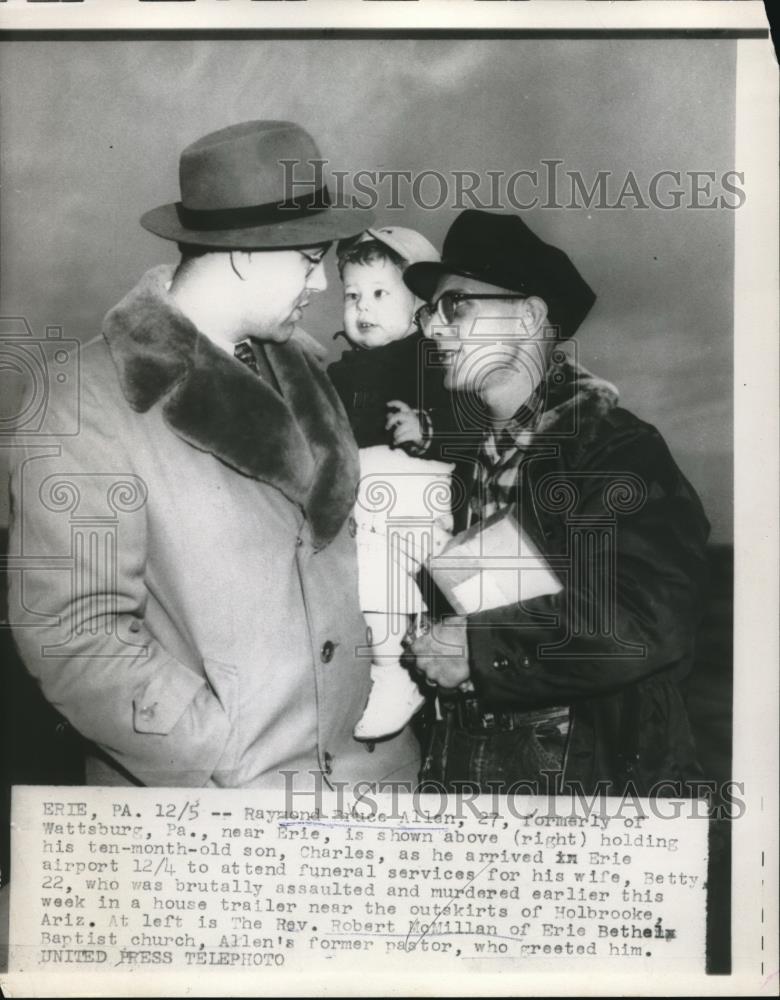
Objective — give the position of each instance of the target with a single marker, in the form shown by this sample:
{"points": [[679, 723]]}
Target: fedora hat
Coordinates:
{"points": [[501, 250], [236, 193]]}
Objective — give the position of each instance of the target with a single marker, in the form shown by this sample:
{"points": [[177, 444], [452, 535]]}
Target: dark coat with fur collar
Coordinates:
{"points": [[599, 493], [212, 634]]}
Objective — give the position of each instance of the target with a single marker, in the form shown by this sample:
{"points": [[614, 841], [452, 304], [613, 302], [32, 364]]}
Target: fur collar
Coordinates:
{"points": [[575, 399], [567, 408], [300, 442]]}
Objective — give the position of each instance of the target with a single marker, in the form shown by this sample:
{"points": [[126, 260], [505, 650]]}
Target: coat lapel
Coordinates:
{"points": [[299, 442], [321, 419]]}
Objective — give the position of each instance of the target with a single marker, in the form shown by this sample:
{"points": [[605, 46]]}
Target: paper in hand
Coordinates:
{"points": [[491, 565]]}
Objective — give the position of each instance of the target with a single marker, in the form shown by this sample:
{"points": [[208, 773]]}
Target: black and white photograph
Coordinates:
{"points": [[388, 514]]}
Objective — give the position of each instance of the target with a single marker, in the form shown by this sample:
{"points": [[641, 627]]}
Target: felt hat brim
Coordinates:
{"points": [[320, 226]]}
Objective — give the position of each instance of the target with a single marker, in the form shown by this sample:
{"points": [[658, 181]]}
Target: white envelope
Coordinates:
{"points": [[491, 565]]}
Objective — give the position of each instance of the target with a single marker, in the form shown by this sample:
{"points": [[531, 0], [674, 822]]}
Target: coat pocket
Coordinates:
{"points": [[159, 705]]}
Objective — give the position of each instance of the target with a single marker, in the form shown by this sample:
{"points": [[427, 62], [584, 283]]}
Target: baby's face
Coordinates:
{"points": [[378, 307]]}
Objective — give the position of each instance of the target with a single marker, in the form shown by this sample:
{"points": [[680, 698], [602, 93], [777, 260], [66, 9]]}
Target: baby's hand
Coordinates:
{"points": [[404, 425]]}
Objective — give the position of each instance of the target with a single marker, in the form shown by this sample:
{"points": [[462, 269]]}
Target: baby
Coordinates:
{"points": [[393, 400]]}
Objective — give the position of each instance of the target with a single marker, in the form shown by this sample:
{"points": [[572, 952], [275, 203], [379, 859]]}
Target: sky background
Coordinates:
{"points": [[90, 134]]}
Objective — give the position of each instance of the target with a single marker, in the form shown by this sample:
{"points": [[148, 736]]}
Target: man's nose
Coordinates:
{"points": [[317, 280]]}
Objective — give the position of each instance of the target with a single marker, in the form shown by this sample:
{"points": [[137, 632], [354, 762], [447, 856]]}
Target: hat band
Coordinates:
{"points": [[213, 219]]}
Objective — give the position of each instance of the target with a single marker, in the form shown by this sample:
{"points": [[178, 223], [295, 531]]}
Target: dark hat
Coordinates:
{"points": [[237, 193], [501, 250]]}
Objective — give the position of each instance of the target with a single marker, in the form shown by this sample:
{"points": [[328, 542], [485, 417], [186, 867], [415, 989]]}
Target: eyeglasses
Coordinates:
{"points": [[447, 305], [313, 259]]}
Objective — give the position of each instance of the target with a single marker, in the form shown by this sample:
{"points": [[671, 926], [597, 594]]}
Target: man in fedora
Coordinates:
{"points": [[577, 686], [206, 630]]}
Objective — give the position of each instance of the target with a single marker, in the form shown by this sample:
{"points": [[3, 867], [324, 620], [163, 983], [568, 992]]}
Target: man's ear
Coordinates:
{"points": [[533, 315]]}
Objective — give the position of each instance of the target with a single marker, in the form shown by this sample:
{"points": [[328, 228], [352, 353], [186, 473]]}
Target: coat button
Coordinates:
{"points": [[501, 663], [352, 526], [147, 711], [526, 662], [135, 626], [299, 541], [327, 651]]}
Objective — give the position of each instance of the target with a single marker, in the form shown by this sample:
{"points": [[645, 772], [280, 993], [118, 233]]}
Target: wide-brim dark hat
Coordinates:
{"points": [[252, 186], [501, 250]]}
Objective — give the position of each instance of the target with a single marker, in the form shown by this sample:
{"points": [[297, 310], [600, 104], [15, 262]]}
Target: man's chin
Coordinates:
{"points": [[451, 380], [369, 341]]}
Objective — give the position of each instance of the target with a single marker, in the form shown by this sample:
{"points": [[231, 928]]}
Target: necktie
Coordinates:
{"points": [[246, 356]]}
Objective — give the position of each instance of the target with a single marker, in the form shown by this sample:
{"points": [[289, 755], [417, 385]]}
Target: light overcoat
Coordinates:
{"points": [[188, 591]]}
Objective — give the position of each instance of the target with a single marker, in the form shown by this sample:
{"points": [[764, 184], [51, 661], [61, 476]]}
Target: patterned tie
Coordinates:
{"points": [[246, 356]]}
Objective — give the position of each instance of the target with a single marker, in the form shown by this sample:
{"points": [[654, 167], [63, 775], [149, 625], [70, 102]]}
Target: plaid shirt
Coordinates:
{"points": [[494, 487]]}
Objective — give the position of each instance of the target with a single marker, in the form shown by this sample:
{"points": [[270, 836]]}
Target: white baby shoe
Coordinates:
{"points": [[393, 700]]}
